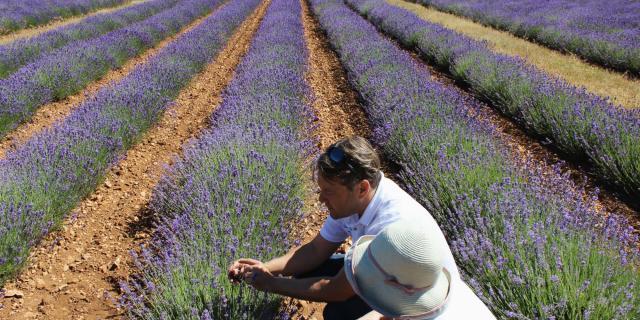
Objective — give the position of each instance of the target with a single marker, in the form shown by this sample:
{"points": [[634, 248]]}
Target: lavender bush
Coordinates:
{"points": [[69, 69], [583, 126], [22, 51], [20, 14], [530, 248], [237, 188], [602, 32], [42, 180]]}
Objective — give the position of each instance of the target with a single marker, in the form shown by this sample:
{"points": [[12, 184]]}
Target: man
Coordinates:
{"points": [[361, 201]]}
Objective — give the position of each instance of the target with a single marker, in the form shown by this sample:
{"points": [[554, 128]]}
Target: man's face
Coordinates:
{"points": [[340, 201]]}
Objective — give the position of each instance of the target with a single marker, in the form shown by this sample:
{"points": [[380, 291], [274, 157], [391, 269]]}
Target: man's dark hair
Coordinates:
{"points": [[359, 162]]}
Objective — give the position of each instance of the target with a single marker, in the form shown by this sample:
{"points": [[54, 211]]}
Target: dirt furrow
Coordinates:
{"points": [[49, 113], [73, 273], [30, 32], [528, 151], [338, 115]]}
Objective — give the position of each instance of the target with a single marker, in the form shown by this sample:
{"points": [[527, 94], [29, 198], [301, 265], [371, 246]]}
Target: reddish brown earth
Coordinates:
{"points": [[48, 114], [339, 115], [73, 273]]}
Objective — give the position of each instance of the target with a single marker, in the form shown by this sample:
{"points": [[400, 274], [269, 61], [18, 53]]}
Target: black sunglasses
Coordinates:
{"points": [[338, 157]]}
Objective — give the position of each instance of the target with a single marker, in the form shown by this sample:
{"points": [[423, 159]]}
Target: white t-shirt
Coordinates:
{"points": [[389, 204]]}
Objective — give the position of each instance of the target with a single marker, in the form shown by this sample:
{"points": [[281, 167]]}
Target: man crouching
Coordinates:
{"points": [[361, 201]]}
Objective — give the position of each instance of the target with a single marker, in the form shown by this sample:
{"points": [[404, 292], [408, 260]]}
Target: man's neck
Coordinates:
{"points": [[366, 202]]}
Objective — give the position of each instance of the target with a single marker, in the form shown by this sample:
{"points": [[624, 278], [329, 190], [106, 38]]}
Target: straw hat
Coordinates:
{"points": [[400, 272]]}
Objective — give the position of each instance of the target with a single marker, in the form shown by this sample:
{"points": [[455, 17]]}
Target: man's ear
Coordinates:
{"points": [[363, 188]]}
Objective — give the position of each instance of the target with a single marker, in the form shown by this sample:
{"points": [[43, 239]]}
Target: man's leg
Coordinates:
{"points": [[330, 268], [351, 309]]}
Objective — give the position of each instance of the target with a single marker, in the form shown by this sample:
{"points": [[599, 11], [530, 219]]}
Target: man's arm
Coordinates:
{"points": [[297, 261], [303, 258], [323, 289]]}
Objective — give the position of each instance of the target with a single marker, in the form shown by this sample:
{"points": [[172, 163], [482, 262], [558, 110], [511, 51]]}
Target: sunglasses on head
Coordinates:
{"points": [[340, 158]]}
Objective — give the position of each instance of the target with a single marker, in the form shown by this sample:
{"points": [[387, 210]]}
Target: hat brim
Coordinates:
{"points": [[391, 301]]}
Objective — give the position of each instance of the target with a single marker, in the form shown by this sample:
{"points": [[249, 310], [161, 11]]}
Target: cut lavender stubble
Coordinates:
{"points": [[603, 32], [20, 14], [530, 247], [582, 126], [20, 52], [68, 70], [237, 190], [44, 179]]}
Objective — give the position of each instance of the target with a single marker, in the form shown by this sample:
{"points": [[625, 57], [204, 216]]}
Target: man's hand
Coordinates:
{"points": [[237, 270], [258, 277]]}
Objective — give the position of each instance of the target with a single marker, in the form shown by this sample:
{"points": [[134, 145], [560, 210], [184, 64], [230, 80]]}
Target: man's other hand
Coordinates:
{"points": [[237, 270], [258, 276]]}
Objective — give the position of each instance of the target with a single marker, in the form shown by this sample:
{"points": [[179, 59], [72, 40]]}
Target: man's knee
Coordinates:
{"points": [[351, 309], [332, 312]]}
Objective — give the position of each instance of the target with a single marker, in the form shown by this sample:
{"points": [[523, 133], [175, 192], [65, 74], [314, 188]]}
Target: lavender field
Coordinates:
{"points": [[20, 14], [603, 32], [104, 213]]}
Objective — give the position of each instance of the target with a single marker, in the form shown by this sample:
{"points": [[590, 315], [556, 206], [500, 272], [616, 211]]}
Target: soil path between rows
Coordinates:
{"points": [[620, 89], [49, 113], [528, 152], [30, 32], [73, 273], [339, 115]]}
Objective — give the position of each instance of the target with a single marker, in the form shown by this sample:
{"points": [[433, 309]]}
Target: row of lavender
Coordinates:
{"points": [[603, 32], [20, 14], [582, 125], [22, 51], [530, 248], [42, 180], [237, 190], [71, 68]]}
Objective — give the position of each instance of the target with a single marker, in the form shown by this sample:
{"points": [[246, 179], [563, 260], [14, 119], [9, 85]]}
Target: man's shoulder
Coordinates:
{"points": [[394, 200]]}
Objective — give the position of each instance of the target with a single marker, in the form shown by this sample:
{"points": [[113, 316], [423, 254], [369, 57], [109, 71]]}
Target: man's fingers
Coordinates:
{"points": [[249, 277], [251, 262]]}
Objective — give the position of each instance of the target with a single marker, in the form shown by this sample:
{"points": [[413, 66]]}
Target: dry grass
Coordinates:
{"points": [[619, 88], [30, 32]]}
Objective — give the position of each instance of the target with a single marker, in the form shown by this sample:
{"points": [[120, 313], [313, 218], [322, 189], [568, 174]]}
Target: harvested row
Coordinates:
{"points": [[581, 125], [605, 33], [529, 250], [20, 14], [45, 178], [69, 69], [23, 51], [238, 189]]}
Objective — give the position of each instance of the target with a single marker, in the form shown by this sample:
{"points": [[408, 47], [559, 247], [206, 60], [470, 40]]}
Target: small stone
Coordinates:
{"points": [[14, 294], [40, 284], [115, 264]]}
